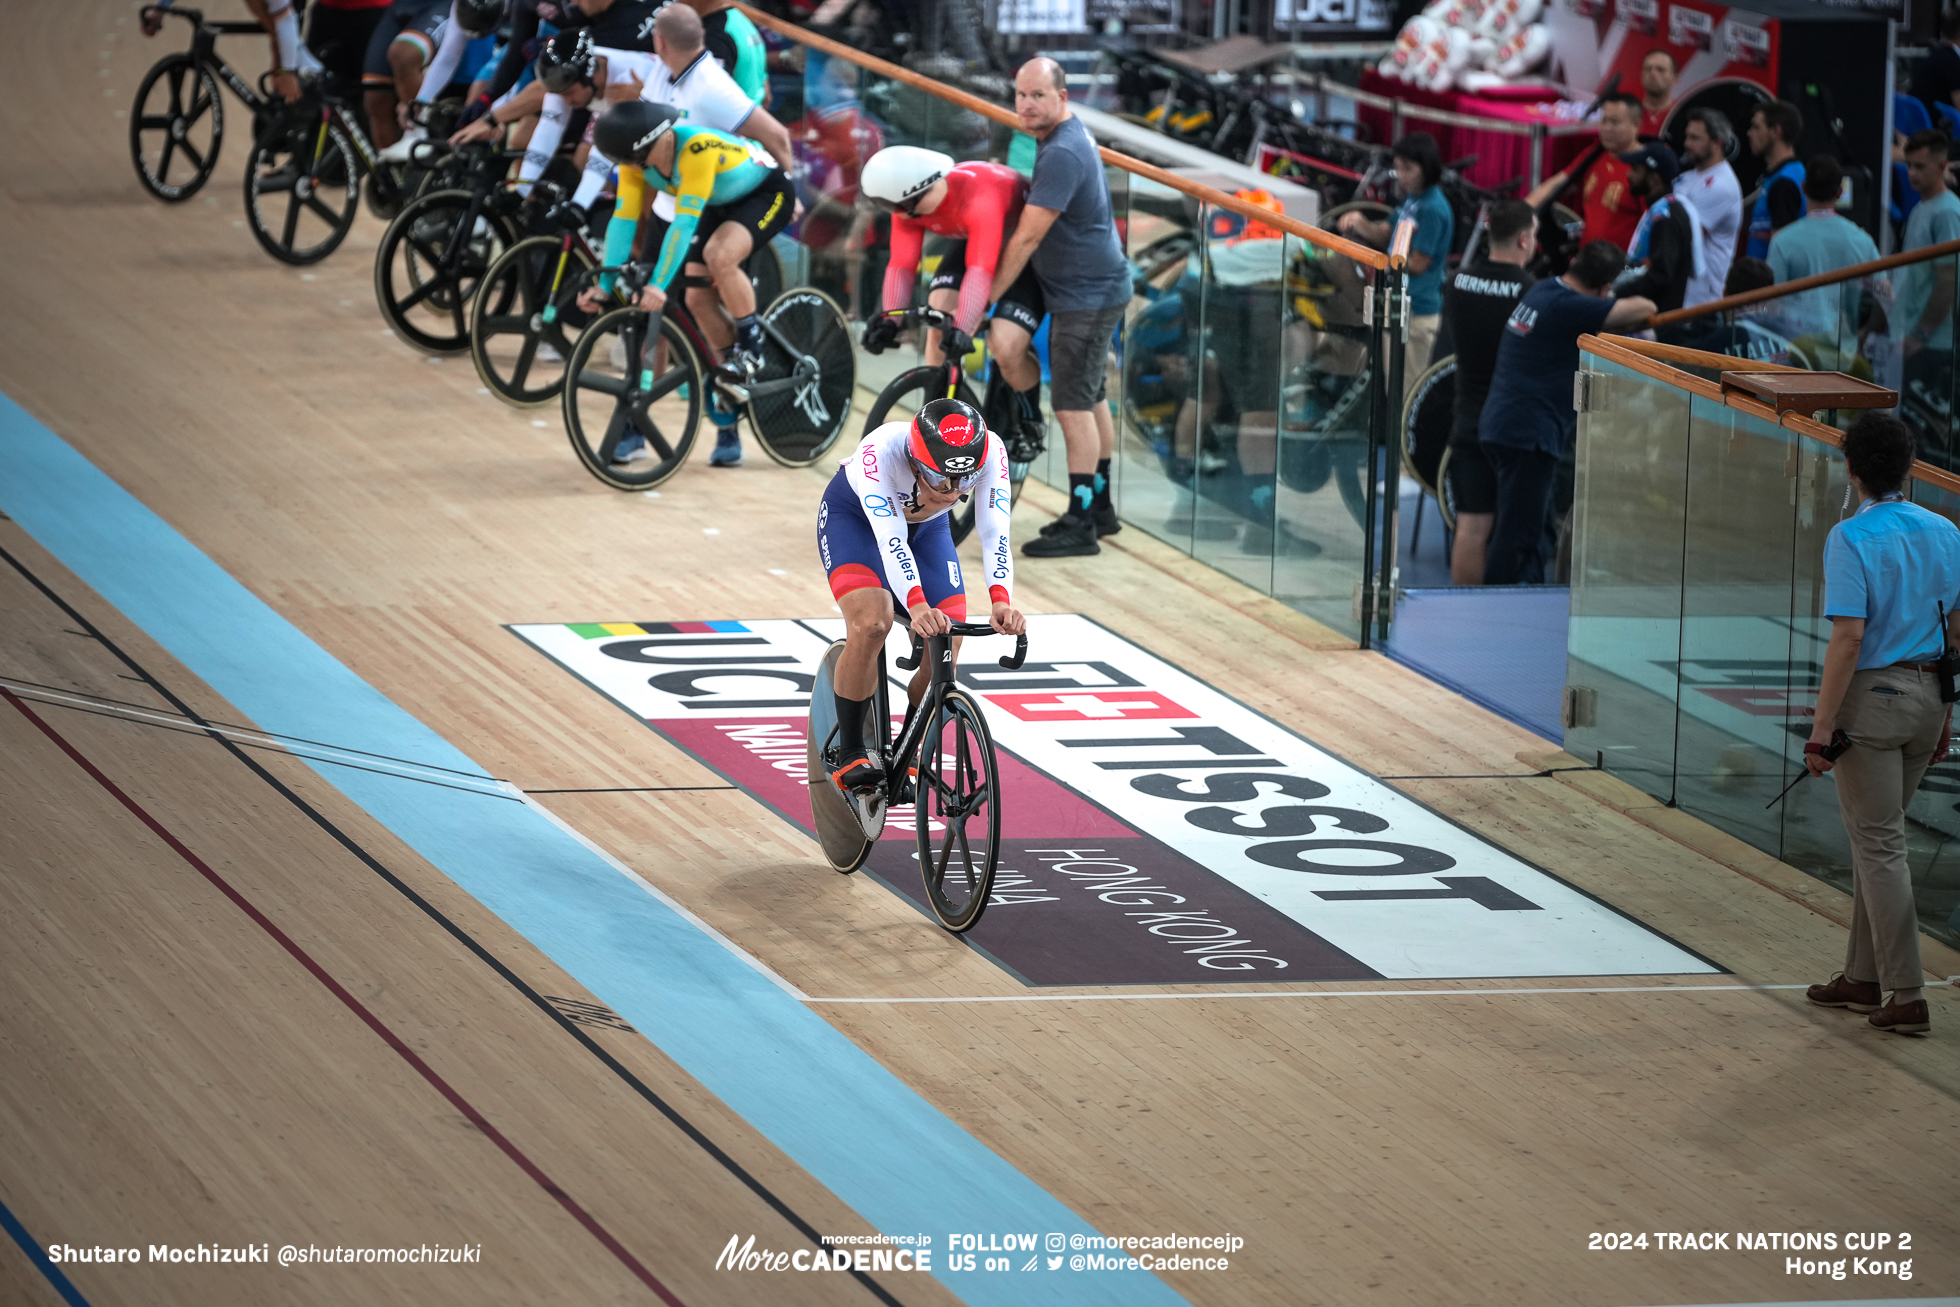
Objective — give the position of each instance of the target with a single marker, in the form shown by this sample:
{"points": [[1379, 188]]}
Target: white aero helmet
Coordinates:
{"points": [[895, 177]]}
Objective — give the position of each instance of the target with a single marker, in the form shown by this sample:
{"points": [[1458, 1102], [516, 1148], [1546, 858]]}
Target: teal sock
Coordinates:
{"points": [[1102, 483], [1082, 489]]}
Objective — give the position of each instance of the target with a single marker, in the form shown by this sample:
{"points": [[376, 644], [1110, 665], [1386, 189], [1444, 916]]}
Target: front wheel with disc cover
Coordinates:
{"points": [[801, 399], [632, 391], [524, 324]]}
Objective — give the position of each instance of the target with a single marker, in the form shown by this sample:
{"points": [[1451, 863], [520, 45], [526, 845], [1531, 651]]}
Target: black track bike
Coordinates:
{"points": [[178, 123], [910, 390], [942, 761], [439, 248], [636, 373]]}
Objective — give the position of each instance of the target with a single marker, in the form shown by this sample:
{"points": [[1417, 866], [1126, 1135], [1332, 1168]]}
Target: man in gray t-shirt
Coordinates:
{"points": [[1067, 231]]}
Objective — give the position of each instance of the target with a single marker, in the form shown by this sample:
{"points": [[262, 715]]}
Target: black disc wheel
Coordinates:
{"points": [[958, 814], [523, 324], [176, 128], [632, 404], [302, 189], [766, 274], [807, 352], [430, 262]]}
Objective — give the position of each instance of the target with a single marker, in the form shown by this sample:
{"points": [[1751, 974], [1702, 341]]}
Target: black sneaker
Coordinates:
{"points": [[1074, 534], [1103, 514]]}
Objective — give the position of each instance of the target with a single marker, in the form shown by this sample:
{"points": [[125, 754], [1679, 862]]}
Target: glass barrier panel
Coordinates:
{"points": [[1738, 692], [1629, 517], [1245, 288], [1328, 360], [1933, 817], [1162, 392]]}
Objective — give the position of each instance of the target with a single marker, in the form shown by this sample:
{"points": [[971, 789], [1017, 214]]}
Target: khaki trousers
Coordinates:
{"points": [[1893, 716]]}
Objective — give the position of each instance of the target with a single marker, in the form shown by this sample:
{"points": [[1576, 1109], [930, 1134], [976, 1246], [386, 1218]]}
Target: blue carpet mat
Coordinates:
{"points": [[1499, 646]]}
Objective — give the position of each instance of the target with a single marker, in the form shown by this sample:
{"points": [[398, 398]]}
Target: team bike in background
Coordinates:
{"points": [[627, 377], [942, 761], [178, 123], [910, 390]]}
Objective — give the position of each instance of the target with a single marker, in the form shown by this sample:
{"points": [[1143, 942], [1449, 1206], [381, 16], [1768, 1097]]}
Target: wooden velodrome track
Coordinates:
{"points": [[242, 1009]]}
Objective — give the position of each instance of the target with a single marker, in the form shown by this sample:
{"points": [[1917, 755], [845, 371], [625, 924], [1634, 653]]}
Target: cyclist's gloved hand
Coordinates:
{"points": [[472, 111], [565, 216], [880, 334], [958, 343]]}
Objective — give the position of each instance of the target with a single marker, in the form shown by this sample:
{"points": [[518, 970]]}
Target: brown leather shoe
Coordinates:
{"points": [[1902, 1018], [1858, 995]]}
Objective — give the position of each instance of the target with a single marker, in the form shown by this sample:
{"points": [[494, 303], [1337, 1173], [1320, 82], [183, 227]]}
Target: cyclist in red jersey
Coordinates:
{"points": [[975, 205]]}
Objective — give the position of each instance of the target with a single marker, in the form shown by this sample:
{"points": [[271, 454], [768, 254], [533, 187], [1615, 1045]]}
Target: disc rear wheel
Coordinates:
{"points": [[958, 812], [805, 340]]}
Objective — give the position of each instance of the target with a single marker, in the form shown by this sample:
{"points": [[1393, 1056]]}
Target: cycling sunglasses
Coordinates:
{"points": [[941, 483], [910, 208]]}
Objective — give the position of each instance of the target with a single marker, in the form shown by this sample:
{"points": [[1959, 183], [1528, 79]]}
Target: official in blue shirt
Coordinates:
{"points": [[1889, 572], [1527, 420], [1418, 167]]}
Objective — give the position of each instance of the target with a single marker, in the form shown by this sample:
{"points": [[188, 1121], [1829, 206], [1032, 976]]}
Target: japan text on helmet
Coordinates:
{"points": [[948, 445], [566, 61], [481, 17], [627, 132], [896, 177]]}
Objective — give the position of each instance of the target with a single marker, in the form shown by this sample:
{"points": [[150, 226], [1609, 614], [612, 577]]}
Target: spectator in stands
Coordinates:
{"points": [[1528, 420], [1923, 292], [1477, 303], [1821, 241], [1418, 166], [1753, 331], [1658, 72], [1773, 132], [1666, 251], [1936, 79], [1709, 183], [1067, 232], [1889, 571], [1611, 211]]}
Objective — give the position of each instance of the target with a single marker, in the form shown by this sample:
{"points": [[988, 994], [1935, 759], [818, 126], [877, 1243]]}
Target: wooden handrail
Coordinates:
{"points": [[1643, 357], [1783, 288], [1115, 158]]}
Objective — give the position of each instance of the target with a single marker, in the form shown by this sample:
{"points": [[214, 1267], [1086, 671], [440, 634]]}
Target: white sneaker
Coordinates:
{"points": [[398, 152], [546, 354], [616, 354]]}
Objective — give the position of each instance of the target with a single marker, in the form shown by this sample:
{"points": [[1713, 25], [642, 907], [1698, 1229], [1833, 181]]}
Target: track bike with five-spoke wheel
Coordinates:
{"points": [[174, 143], [524, 323], [436, 252], [942, 763], [636, 373], [910, 391]]}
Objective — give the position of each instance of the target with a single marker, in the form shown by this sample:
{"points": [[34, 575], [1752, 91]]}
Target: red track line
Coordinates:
{"points": [[355, 1005]]}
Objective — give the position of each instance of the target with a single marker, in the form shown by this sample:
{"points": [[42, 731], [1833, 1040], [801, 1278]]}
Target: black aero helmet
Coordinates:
{"points": [[627, 132], [948, 445], [480, 17], [566, 60]]}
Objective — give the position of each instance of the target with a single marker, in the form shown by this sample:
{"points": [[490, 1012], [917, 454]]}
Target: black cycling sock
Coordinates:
{"points": [[850, 725], [1081, 491], [748, 333], [1102, 483]]}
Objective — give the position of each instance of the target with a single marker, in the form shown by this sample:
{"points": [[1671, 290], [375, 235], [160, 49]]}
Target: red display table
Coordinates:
{"points": [[1501, 156]]}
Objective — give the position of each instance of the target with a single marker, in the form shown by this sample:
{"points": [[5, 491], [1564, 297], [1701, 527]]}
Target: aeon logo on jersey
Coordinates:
{"points": [[868, 463]]}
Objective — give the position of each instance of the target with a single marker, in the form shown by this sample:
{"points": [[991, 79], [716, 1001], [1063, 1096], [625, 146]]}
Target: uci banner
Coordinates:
{"points": [[1154, 830]]}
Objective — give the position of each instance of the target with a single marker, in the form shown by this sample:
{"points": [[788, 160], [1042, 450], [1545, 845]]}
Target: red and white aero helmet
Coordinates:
{"points": [[948, 444]]}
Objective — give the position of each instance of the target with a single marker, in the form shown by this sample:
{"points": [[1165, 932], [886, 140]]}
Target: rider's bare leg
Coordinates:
{"points": [[705, 305], [945, 299]]}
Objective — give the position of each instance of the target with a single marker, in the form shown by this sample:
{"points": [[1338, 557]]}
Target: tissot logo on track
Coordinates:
{"points": [[1153, 829]]}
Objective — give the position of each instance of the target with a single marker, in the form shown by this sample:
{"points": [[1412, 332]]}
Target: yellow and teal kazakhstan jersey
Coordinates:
{"points": [[710, 168]]}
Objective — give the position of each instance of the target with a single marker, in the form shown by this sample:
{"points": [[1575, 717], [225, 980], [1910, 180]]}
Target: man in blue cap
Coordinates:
{"points": [[1666, 249]]}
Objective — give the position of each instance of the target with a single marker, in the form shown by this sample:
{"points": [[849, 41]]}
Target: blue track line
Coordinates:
{"points": [[859, 1130], [62, 1285]]}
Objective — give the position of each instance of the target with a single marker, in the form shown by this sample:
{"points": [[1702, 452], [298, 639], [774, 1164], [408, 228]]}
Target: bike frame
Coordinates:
{"points": [[204, 49], [939, 648]]}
